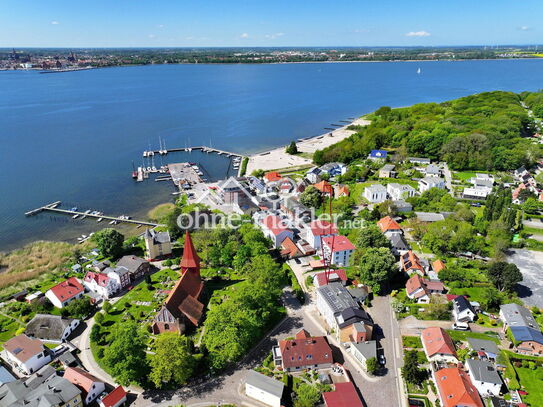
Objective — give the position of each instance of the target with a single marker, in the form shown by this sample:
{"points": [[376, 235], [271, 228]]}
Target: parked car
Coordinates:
{"points": [[460, 326]]}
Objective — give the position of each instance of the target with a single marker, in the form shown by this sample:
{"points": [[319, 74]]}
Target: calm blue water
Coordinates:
{"points": [[73, 136]]}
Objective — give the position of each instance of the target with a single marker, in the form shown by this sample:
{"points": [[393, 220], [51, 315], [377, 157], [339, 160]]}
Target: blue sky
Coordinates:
{"points": [[137, 23]]}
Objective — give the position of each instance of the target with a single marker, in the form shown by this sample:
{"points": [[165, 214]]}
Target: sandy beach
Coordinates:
{"points": [[279, 159]]}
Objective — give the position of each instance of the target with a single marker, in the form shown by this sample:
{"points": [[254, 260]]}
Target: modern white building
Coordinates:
{"points": [[275, 228], [477, 192], [399, 192], [485, 377], [338, 249], [317, 230], [462, 310], [332, 300], [482, 180], [264, 389], [25, 354], [431, 182], [101, 284], [375, 193]]}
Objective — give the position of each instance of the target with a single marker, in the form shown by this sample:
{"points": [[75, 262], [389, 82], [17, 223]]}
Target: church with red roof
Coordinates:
{"points": [[183, 308]]}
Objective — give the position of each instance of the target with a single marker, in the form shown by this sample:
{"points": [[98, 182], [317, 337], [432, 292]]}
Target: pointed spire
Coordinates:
{"points": [[190, 258]]}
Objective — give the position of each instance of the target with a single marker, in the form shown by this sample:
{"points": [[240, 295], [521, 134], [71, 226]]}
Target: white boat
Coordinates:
{"points": [[75, 216], [112, 222], [99, 219], [195, 167], [418, 71]]}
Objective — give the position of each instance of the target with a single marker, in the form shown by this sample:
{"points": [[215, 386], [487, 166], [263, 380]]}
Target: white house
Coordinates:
{"points": [[438, 345], [90, 386], [317, 230], [363, 351], [477, 192], [51, 328], [26, 354], [432, 170], [338, 249], [375, 193], [64, 293], [485, 377], [431, 182], [121, 275], [399, 192], [264, 389], [313, 175], [101, 284], [332, 300], [274, 227], [482, 180], [462, 310]]}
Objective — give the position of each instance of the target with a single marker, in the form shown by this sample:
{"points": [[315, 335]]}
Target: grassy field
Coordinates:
{"points": [[158, 212], [8, 328], [463, 336], [411, 342], [531, 381], [473, 293]]}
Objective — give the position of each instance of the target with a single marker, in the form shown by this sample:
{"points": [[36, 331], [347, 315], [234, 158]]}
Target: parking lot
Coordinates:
{"points": [[530, 264]]}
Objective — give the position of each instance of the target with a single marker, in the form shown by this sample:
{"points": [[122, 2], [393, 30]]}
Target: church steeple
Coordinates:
{"points": [[190, 260]]}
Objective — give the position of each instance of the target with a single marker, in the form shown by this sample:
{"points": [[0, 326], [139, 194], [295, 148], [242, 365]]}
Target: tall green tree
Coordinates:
{"points": [[504, 276], [292, 148], [306, 395], [172, 362], [371, 236], [109, 242], [311, 197], [376, 267], [411, 371], [125, 355]]}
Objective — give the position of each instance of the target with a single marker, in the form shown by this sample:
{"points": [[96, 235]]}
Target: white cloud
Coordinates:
{"points": [[274, 36], [244, 35], [418, 34], [524, 28], [55, 23], [151, 35]]}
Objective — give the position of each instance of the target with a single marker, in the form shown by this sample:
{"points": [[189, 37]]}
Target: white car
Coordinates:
{"points": [[460, 326]]}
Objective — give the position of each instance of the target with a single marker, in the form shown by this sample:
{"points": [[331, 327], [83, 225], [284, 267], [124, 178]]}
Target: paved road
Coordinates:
{"points": [[530, 264], [448, 177]]}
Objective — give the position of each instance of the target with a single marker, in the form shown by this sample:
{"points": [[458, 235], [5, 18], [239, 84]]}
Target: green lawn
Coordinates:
{"points": [[464, 335], [531, 381], [411, 342], [473, 293], [8, 327]]}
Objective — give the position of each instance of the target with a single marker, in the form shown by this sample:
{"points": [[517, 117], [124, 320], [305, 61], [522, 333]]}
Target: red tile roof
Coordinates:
{"points": [[272, 176], [289, 248], [323, 227], [275, 224], [415, 283], [338, 243], [113, 398], [190, 258], [456, 389], [334, 275], [345, 395], [80, 378], [344, 190], [387, 223], [305, 351], [410, 261], [67, 289], [436, 340], [438, 265], [325, 187], [100, 278], [23, 347]]}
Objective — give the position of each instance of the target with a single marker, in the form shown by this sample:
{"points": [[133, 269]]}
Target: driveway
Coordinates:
{"points": [[530, 264]]}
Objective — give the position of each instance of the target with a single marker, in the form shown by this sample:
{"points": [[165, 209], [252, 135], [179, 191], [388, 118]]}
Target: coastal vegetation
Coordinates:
{"points": [[158, 213], [487, 131]]}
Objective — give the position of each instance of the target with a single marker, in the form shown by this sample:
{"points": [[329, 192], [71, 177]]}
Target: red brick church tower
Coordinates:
{"points": [[182, 305]]}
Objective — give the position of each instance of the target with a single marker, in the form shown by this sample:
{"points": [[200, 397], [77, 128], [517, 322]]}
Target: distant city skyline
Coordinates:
{"points": [[243, 23]]}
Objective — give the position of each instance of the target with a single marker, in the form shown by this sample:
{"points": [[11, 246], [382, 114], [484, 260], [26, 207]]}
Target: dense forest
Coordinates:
{"points": [[487, 131]]}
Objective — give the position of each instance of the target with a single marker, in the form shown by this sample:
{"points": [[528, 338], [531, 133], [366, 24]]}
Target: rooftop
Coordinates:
{"points": [[437, 341], [23, 347], [67, 289], [483, 371], [265, 383], [48, 327], [338, 243], [344, 395], [337, 297]]}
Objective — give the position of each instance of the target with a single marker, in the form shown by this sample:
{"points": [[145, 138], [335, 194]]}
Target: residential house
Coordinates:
{"points": [[289, 249], [482, 180], [484, 377], [157, 244], [90, 386], [294, 208], [432, 170], [275, 228], [411, 263], [115, 398], [304, 352], [338, 249], [333, 169], [64, 293], [463, 311], [389, 226], [377, 155], [421, 289], [264, 389], [318, 229], [362, 351], [344, 395], [313, 175], [42, 389], [324, 278], [375, 193], [343, 190], [332, 300], [26, 354], [523, 326], [51, 328], [428, 183], [486, 350], [101, 284], [183, 306], [271, 177], [302, 185], [398, 244], [256, 185], [455, 388], [353, 324], [477, 192], [100, 265], [120, 275], [438, 345], [419, 160], [430, 217], [387, 171], [399, 192], [438, 265], [136, 266], [325, 188]]}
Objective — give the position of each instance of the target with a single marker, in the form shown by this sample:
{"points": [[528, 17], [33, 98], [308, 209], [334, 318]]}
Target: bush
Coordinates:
{"points": [[167, 263]]}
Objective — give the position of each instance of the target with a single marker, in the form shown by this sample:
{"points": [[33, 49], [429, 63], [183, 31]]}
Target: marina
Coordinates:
{"points": [[204, 149]]}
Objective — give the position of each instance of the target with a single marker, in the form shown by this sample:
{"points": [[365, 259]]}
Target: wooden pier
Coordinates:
{"points": [[203, 149], [52, 207]]}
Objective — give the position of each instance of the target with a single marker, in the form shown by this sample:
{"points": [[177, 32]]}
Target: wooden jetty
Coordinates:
{"points": [[52, 207], [204, 149]]}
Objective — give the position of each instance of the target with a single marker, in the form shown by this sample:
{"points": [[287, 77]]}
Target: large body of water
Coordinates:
{"points": [[73, 136]]}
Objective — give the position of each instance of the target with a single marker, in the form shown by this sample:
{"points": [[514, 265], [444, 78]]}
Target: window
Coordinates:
{"points": [[166, 326], [39, 355]]}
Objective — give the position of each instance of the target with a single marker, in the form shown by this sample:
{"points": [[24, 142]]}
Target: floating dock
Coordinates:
{"points": [[204, 149], [52, 207]]}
